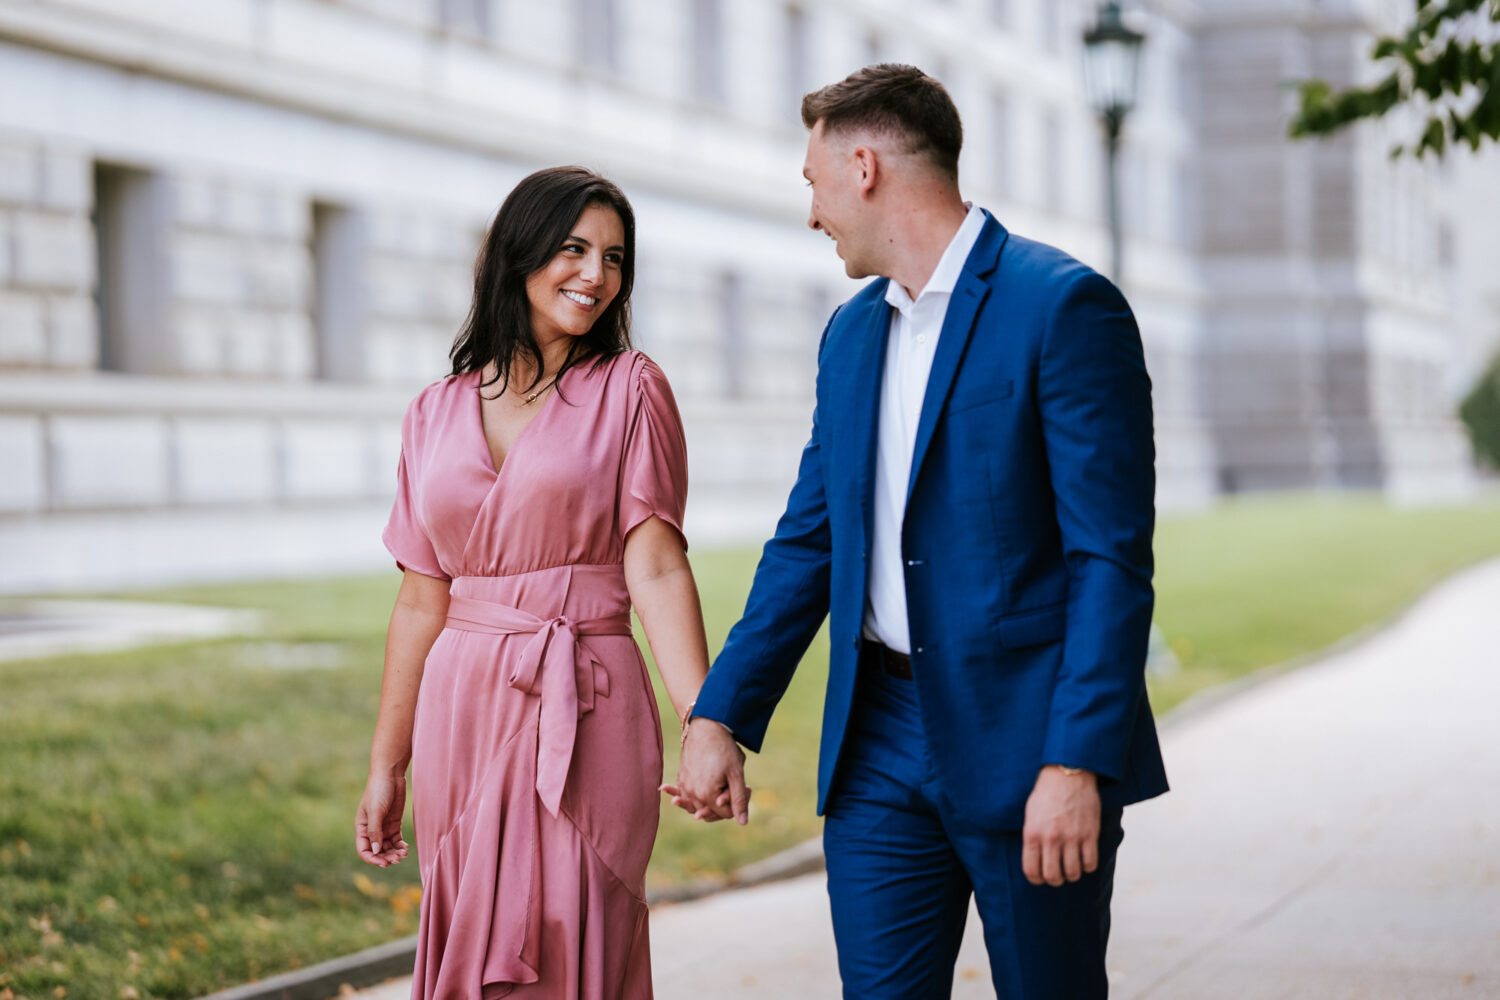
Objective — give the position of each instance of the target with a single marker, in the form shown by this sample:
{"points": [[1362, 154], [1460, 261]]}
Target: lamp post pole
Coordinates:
{"points": [[1112, 124], [1111, 71]]}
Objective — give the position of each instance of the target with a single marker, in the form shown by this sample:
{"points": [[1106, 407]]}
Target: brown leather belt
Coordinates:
{"points": [[879, 655]]}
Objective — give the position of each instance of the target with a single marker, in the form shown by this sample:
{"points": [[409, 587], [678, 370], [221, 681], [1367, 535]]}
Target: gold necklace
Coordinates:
{"points": [[533, 397]]}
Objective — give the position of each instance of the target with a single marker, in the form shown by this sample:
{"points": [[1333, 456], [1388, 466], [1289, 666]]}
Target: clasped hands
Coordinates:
{"points": [[1060, 840], [711, 775]]}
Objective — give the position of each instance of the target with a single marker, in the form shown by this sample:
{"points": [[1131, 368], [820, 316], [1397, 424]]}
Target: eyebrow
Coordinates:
{"points": [[579, 239]]}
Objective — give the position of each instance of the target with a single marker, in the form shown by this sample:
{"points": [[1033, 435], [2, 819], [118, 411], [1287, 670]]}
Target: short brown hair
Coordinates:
{"points": [[893, 99]]}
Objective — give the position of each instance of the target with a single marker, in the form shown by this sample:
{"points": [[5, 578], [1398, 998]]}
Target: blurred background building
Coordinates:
{"points": [[237, 235]]}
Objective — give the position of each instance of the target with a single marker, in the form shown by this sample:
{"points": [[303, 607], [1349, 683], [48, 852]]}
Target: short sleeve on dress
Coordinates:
{"points": [[653, 477], [404, 536]]}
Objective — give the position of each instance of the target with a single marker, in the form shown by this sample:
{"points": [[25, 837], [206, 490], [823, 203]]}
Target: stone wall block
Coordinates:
{"points": [[200, 202], [199, 337], [383, 354], [114, 461], [22, 454], [245, 209], [208, 268], [427, 237], [278, 275], [67, 180], [451, 292], [459, 241], [387, 456], [399, 353], [7, 249], [392, 230], [53, 251], [23, 330], [20, 166], [232, 22], [397, 289], [251, 346], [335, 39], [296, 354], [323, 459], [225, 460], [72, 331], [287, 216]]}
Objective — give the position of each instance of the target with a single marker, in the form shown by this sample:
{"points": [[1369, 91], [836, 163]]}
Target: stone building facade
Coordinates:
{"points": [[236, 236]]}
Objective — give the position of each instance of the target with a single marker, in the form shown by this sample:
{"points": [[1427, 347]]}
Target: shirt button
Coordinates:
{"points": [[921, 338]]}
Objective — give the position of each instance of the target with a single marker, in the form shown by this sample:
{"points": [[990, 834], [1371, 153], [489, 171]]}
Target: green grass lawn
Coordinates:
{"points": [[177, 820]]}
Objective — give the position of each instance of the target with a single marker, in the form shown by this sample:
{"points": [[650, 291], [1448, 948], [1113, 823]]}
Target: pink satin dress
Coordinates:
{"points": [[537, 745]]}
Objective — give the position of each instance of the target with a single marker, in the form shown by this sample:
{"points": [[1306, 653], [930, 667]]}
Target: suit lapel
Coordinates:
{"points": [[958, 326], [863, 403]]}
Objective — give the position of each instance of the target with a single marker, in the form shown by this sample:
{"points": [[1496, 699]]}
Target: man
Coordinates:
{"points": [[974, 513]]}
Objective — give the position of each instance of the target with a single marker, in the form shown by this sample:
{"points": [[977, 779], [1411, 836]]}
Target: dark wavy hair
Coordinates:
{"points": [[528, 231]]}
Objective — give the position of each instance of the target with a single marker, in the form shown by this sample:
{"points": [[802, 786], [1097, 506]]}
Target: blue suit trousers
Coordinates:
{"points": [[902, 866]]}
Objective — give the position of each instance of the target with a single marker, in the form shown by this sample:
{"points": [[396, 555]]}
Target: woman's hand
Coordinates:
{"points": [[706, 813], [377, 824]]}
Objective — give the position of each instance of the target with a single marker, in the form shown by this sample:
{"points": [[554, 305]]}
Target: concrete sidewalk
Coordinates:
{"points": [[1332, 833]]}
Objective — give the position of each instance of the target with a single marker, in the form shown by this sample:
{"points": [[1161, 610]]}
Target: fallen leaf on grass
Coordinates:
{"points": [[406, 899], [363, 884]]}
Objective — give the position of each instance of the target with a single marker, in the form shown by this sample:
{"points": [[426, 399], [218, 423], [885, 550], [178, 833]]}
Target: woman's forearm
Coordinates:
{"points": [[665, 596], [416, 620]]}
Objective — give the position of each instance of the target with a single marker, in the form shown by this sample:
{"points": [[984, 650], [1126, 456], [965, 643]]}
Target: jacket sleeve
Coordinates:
{"points": [[788, 602], [1095, 401]]}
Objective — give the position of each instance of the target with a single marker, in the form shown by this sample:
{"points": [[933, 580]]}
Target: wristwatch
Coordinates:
{"points": [[1069, 771]]}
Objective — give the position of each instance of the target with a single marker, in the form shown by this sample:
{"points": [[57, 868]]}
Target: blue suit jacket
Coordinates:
{"points": [[1026, 540]]}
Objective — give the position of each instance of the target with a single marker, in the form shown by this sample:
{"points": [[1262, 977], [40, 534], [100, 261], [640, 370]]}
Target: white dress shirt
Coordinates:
{"points": [[910, 346]]}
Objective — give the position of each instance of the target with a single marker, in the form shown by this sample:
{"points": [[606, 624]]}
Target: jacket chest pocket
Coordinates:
{"points": [[973, 395], [974, 425]]}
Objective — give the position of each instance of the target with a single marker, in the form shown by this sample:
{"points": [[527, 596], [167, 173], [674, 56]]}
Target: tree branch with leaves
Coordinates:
{"points": [[1446, 66]]}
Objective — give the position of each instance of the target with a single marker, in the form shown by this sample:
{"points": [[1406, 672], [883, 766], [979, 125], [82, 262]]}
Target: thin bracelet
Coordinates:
{"points": [[687, 717]]}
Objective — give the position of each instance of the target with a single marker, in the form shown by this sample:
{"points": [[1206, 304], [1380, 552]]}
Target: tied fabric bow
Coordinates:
{"points": [[556, 668]]}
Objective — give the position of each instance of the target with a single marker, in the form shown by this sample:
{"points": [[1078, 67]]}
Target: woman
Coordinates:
{"points": [[540, 495]]}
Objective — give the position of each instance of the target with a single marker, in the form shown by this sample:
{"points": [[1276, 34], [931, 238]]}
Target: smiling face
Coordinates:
{"points": [[572, 290], [833, 171]]}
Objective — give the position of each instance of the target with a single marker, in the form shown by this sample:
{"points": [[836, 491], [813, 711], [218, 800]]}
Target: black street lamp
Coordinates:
{"points": [[1111, 76]]}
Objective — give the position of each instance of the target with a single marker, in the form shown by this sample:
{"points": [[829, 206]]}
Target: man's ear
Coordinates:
{"points": [[866, 167]]}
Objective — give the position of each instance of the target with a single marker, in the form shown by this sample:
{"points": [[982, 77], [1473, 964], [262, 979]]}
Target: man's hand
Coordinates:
{"points": [[711, 775], [1061, 838]]}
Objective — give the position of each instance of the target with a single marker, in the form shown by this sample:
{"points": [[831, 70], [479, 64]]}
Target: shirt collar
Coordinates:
{"points": [[950, 265]]}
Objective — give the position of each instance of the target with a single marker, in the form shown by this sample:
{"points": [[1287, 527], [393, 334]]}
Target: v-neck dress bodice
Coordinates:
{"points": [[537, 745]]}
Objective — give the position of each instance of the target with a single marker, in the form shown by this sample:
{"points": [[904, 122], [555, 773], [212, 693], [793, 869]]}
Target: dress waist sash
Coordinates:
{"points": [[556, 668]]}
